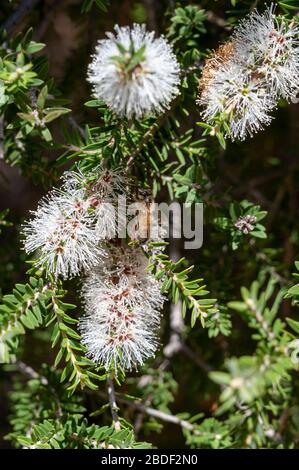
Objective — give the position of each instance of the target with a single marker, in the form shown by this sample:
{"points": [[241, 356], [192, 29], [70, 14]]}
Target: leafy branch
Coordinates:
{"points": [[78, 370], [179, 286], [24, 308]]}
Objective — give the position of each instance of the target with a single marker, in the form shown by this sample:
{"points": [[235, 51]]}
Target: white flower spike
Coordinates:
{"points": [[271, 46], [122, 302], [70, 225], [134, 73], [243, 101], [243, 81], [62, 232]]}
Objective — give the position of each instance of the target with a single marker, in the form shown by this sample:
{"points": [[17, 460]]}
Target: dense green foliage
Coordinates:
{"points": [[227, 370]]}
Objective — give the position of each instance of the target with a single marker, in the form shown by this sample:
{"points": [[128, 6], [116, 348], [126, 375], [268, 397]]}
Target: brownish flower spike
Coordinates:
{"points": [[223, 54]]}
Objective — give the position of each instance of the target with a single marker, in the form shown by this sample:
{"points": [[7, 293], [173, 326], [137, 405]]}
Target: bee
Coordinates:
{"points": [[143, 221]]}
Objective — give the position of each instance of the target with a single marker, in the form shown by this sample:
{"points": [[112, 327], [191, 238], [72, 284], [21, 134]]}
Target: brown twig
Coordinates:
{"points": [[30, 372], [176, 319], [167, 417], [147, 136], [113, 404], [150, 134]]}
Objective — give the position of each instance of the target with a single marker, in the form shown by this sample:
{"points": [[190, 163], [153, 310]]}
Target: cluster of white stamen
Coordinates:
{"points": [[122, 303], [134, 73], [63, 232], [70, 223], [246, 77], [270, 46], [73, 230]]}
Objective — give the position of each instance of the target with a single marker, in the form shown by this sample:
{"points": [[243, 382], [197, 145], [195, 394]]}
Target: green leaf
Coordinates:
{"points": [[34, 47], [52, 114], [46, 135], [220, 377], [40, 102], [236, 305], [293, 324]]}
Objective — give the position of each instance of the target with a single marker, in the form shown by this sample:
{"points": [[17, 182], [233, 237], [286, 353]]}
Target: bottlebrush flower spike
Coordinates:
{"points": [[70, 223], [242, 82], [134, 73], [242, 101], [100, 182], [122, 303], [102, 188], [270, 44], [63, 233]]}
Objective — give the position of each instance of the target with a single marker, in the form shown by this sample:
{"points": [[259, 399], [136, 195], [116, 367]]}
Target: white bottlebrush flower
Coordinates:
{"points": [[243, 100], [63, 233], [122, 303], [270, 44], [124, 270], [102, 183], [71, 224], [106, 225], [243, 81], [134, 73], [117, 338], [103, 192]]}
